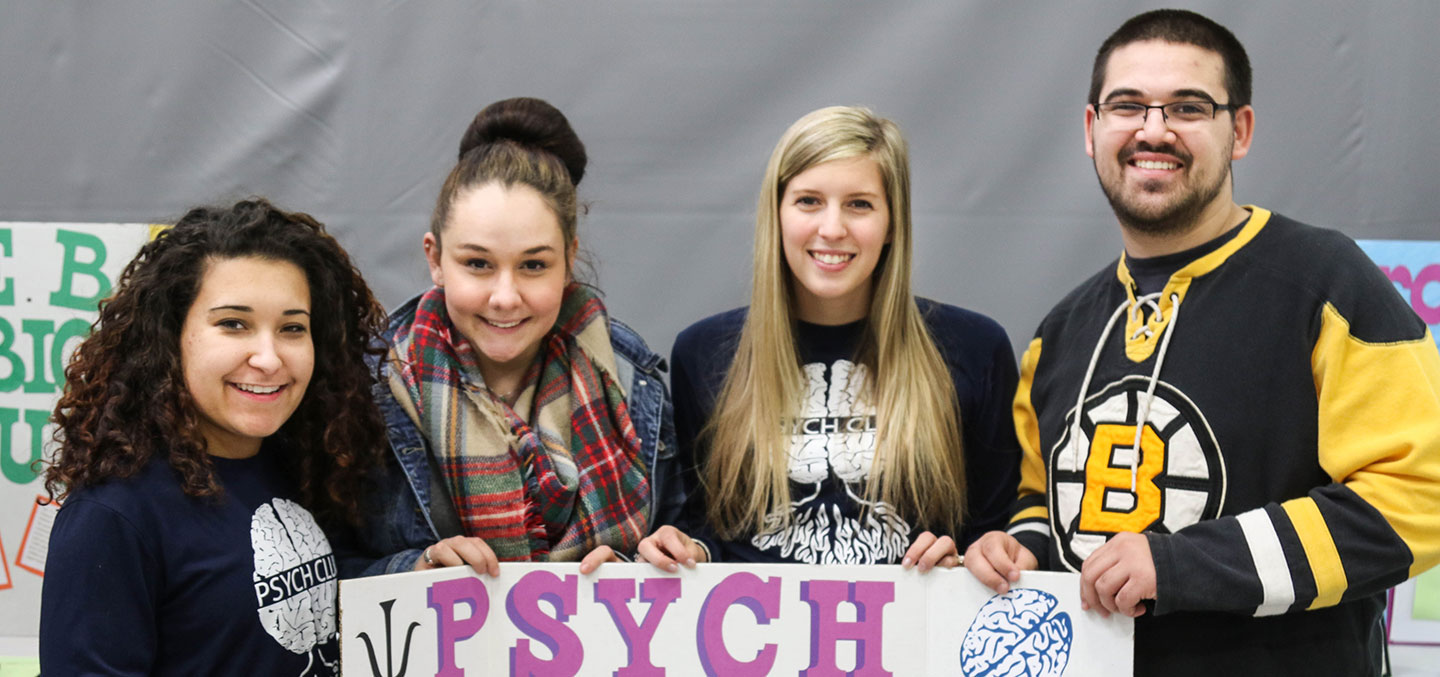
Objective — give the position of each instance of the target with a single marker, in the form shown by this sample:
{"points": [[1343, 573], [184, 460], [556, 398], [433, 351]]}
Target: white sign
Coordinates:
{"points": [[723, 619]]}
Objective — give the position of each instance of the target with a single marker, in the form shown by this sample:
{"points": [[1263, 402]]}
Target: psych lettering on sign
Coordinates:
{"points": [[1414, 287], [866, 631], [615, 594], [443, 597], [762, 598], [523, 607]]}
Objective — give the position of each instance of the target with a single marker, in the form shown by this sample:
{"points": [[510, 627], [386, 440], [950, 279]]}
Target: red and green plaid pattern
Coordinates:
{"points": [[555, 476]]}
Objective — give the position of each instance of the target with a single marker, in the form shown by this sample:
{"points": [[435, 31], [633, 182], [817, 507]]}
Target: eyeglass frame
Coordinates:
{"points": [[1164, 116]]}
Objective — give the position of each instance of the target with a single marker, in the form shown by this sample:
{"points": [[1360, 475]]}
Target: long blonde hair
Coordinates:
{"points": [[919, 464]]}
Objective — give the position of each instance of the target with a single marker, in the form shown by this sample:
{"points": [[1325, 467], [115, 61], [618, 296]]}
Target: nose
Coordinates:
{"points": [[264, 356], [505, 294], [832, 223], [1155, 129]]}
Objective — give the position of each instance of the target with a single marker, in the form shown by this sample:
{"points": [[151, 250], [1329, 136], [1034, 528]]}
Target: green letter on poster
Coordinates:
{"points": [[7, 294], [21, 472], [73, 266]]}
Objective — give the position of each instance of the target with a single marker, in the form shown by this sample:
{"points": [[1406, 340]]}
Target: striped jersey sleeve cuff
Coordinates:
{"points": [[1271, 565]]}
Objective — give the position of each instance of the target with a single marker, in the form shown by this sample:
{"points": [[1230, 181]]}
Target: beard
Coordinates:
{"points": [[1178, 215]]}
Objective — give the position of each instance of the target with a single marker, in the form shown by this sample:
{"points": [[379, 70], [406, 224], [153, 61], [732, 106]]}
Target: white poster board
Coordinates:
{"points": [[723, 619], [52, 275]]}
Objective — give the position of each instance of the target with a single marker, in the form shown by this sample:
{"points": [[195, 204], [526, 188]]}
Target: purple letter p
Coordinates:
{"points": [[442, 597]]}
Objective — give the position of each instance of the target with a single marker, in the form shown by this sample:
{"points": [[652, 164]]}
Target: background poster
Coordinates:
{"points": [[1414, 268], [51, 277]]}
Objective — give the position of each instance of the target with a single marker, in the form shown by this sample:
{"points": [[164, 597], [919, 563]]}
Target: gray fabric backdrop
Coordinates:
{"points": [[124, 112], [353, 110]]}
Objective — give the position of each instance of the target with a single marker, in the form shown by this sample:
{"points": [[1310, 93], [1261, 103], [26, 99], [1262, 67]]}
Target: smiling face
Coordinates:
{"points": [[504, 266], [1165, 178], [246, 352], [834, 223]]}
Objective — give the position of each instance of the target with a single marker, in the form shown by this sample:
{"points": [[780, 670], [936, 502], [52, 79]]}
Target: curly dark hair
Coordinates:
{"points": [[125, 399]]}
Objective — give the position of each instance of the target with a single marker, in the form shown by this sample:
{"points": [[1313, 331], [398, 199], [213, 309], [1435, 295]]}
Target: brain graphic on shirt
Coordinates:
{"points": [[1017, 634], [294, 575]]}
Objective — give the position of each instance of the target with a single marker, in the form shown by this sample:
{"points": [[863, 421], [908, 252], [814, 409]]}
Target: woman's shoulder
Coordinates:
{"points": [[712, 331], [953, 323], [403, 315], [629, 345], [136, 498]]}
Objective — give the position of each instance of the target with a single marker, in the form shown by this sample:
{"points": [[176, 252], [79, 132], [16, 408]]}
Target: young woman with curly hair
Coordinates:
{"points": [[219, 408]]}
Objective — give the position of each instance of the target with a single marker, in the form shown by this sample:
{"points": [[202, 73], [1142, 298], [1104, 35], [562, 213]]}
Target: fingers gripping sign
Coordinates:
{"points": [[1119, 576], [997, 559], [929, 551], [458, 550], [596, 557], [668, 548]]}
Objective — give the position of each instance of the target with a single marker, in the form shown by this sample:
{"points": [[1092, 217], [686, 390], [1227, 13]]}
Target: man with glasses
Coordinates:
{"points": [[1233, 432]]}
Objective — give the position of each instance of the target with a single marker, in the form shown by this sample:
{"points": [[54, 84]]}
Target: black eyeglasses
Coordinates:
{"points": [[1174, 112]]}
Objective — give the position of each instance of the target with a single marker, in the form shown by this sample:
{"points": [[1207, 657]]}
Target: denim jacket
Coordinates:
{"points": [[410, 509]]}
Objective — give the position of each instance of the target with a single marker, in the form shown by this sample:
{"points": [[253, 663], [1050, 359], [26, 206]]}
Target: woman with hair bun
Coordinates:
{"points": [[526, 424], [216, 417], [839, 419]]}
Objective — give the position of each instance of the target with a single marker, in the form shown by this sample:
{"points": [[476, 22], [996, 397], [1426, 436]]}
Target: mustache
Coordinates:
{"points": [[1143, 147]]}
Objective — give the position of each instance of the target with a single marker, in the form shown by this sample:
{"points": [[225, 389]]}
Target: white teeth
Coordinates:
{"points": [[258, 390], [832, 258], [1152, 164], [504, 325]]}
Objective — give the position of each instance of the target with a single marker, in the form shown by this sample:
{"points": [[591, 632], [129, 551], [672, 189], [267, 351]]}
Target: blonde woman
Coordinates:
{"points": [[838, 419]]}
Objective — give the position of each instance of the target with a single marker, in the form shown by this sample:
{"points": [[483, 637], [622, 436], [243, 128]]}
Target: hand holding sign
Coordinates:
{"points": [[669, 547], [458, 550]]}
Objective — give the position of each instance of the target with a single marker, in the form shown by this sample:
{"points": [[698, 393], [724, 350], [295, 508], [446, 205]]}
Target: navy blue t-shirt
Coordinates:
{"points": [[143, 580], [833, 440]]}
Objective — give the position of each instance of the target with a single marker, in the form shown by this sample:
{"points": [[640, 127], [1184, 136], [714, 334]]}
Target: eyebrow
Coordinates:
{"points": [[1178, 95], [858, 193], [532, 250], [248, 309]]}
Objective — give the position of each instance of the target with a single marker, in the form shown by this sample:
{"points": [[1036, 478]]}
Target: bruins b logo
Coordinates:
{"points": [[1178, 477]]}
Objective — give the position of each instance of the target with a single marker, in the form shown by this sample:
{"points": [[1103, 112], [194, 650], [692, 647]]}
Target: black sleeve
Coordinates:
{"points": [[992, 454], [694, 383], [100, 597]]}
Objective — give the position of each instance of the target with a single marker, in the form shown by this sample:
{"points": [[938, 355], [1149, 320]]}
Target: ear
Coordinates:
{"points": [[1244, 132], [570, 253], [432, 258], [1090, 130]]}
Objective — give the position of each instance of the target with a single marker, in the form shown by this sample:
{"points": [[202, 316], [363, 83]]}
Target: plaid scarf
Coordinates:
{"points": [[554, 475]]}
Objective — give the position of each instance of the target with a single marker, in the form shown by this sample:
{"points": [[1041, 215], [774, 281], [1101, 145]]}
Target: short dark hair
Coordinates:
{"points": [[1181, 27]]}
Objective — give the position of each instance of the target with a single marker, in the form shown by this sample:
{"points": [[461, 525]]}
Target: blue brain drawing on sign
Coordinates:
{"points": [[1017, 634]]}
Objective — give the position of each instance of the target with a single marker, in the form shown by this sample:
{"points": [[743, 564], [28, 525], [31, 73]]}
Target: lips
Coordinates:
{"points": [[831, 258], [503, 325], [1161, 158], [257, 391]]}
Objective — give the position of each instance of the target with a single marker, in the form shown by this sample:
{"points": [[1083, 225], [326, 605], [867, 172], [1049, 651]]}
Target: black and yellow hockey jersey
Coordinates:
{"points": [[1285, 405]]}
